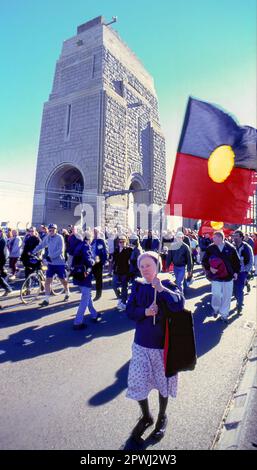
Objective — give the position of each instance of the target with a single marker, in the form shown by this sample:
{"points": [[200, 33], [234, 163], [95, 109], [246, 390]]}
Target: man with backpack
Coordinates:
{"points": [[222, 266]]}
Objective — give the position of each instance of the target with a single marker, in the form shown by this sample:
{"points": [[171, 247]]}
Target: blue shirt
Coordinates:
{"points": [[147, 334], [98, 248]]}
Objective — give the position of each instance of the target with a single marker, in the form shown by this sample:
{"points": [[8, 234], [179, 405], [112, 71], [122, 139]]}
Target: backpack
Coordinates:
{"points": [[217, 263], [78, 269]]}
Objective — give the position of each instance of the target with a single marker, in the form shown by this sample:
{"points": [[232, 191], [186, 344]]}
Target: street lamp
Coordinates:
{"points": [[107, 194]]}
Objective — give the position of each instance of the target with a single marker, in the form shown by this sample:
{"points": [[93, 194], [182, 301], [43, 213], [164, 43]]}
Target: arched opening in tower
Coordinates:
{"points": [[136, 200], [63, 193]]}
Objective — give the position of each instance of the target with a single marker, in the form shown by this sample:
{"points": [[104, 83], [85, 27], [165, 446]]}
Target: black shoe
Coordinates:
{"points": [[239, 310], [248, 287], [45, 303], [97, 319], [8, 291], [98, 295], [82, 326], [141, 426], [160, 428]]}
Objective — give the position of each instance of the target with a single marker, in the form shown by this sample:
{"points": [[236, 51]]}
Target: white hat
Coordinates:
{"points": [[151, 254], [179, 235]]}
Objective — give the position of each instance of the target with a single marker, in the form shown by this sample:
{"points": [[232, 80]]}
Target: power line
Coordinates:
{"points": [[67, 191], [52, 190], [14, 182], [14, 193]]}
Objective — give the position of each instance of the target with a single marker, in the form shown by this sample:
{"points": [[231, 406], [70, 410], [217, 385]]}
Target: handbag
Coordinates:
{"points": [[179, 347], [78, 272]]}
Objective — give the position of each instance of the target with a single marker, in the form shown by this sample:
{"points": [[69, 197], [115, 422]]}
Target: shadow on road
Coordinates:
{"points": [[33, 312], [39, 340], [208, 331], [192, 292], [140, 444], [109, 393], [10, 316]]}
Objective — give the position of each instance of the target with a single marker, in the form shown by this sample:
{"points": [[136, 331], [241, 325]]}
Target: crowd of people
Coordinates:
{"points": [[226, 263], [134, 261]]}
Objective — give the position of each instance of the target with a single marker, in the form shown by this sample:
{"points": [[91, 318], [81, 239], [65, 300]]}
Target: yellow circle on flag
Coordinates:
{"points": [[221, 163], [217, 225]]}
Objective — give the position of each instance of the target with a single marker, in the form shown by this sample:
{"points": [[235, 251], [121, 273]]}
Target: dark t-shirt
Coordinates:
{"points": [[121, 260]]}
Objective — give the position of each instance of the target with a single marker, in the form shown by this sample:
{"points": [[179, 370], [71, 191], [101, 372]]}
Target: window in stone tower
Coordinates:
{"points": [[119, 87], [139, 126], [68, 122], [93, 66]]}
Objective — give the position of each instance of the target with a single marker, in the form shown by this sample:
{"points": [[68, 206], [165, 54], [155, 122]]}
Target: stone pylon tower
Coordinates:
{"points": [[100, 132]]}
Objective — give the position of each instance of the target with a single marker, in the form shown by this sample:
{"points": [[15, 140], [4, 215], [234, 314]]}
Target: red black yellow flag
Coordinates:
{"points": [[215, 166]]}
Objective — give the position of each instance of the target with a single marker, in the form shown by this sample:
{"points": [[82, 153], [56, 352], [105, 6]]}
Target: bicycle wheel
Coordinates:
{"points": [[57, 287], [30, 289]]}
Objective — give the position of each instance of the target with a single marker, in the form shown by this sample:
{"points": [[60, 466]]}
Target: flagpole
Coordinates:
{"points": [[158, 262]]}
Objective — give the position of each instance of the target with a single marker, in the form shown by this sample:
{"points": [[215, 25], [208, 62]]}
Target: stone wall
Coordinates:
{"points": [[134, 111]]}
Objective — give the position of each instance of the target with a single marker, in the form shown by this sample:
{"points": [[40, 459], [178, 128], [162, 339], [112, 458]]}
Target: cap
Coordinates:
{"points": [[52, 226]]}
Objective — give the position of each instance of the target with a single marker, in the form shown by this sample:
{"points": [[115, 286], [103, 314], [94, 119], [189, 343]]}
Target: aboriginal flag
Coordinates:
{"points": [[215, 166]]}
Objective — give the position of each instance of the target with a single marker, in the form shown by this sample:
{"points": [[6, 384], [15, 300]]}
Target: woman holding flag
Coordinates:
{"points": [[147, 371]]}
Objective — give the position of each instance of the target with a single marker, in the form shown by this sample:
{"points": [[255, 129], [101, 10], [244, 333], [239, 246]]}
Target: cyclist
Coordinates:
{"points": [[29, 244], [56, 261]]}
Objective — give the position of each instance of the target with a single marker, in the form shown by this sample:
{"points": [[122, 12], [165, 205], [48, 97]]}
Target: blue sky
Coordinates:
{"points": [[204, 48]]}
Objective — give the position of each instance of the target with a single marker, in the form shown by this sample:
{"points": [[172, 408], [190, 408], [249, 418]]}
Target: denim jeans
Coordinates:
{"points": [[85, 302], [180, 272], [120, 280], [239, 288]]}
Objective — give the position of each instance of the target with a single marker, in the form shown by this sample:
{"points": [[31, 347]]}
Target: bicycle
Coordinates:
{"points": [[34, 284]]}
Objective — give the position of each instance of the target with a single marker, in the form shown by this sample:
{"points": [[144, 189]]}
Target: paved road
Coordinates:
{"points": [[65, 389]]}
